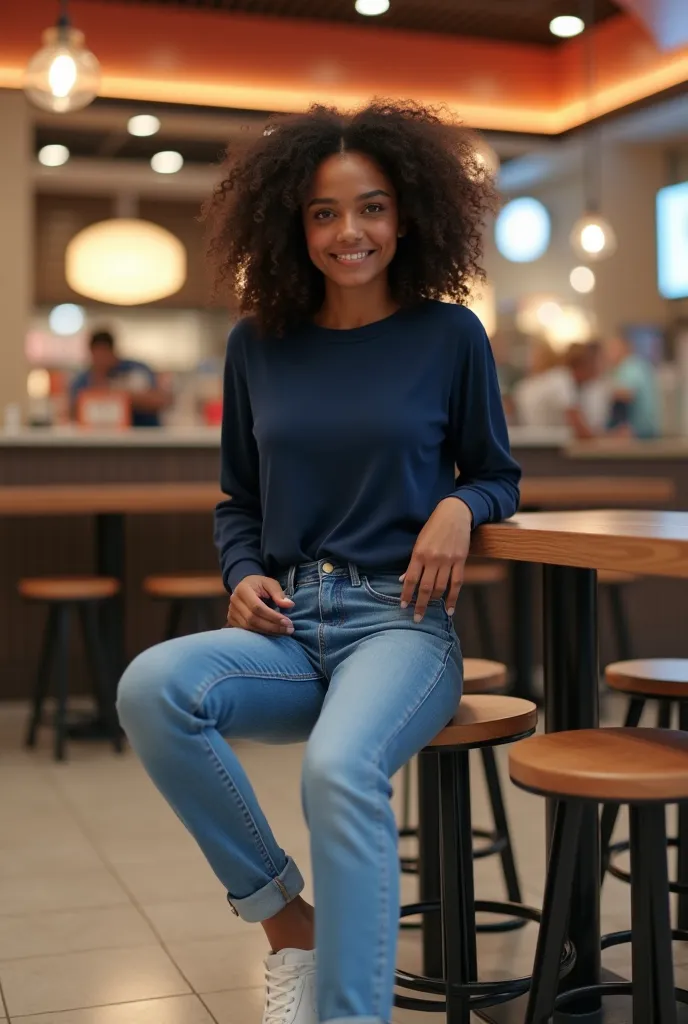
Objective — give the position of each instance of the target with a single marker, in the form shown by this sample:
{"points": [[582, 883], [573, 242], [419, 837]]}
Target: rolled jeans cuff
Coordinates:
{"points": [[273, 897]]}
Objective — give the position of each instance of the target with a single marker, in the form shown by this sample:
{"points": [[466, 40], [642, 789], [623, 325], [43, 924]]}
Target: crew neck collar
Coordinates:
{"points": [[357, 334]]}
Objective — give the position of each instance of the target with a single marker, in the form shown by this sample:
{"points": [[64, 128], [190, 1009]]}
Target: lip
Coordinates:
{"points": [[352, 257]]}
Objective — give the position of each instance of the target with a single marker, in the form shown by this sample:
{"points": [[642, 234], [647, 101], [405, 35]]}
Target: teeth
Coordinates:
{"points": [[350, 257]]}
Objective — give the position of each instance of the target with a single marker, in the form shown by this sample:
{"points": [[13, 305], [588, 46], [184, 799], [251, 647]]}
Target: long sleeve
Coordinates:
{"points": [[488, 475], [238, 520]]}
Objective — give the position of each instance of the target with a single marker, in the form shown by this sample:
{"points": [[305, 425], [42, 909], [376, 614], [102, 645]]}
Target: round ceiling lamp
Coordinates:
{"points": [[168, 161], [63, 75], [522, 230], [143, 125], [371, 8], [582, 280], [566, 26], [125, 262], [53, 155], [593, 237]]}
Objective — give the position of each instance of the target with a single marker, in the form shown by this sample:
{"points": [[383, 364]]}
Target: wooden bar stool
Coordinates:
{"points": [[646, 769], [664, 680], [482, 720], [64, 595], [193, 596], [482, 676]]}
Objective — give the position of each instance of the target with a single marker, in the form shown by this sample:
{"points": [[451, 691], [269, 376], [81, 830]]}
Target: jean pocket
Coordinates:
{"points": [[387, 590]]}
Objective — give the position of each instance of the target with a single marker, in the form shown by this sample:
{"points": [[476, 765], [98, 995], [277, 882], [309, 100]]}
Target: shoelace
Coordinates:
{"points": [[280, 995]]}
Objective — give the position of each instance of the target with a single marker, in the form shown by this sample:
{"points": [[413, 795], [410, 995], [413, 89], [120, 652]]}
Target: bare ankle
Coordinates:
{"points": [[292, 928]]}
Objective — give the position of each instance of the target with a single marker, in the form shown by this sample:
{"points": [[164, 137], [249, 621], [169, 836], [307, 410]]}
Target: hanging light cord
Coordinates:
{"points": [[592, 147], [63, 19]]}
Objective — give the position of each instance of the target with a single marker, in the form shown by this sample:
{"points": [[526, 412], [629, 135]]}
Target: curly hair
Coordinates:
{"points": [[256, 240]]}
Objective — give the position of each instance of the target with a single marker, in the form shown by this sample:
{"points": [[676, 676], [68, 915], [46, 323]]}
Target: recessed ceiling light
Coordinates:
{"points": [[522, 230], [371, 8], [168, 161], [53, 156], [582, 280], [143, 124], [66, 318], [566, 26]]}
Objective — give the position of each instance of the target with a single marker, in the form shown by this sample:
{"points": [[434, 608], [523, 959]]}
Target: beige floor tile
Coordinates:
{"points": [[75, 980], [240, 1006], [217, 965], [197, 919], [175, 1010], [119, 851], [48, 857], [73, 931], [26, 894], [169, 881]]}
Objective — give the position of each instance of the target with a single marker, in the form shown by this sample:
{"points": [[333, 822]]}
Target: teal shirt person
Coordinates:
{"points": [[635, 379]]}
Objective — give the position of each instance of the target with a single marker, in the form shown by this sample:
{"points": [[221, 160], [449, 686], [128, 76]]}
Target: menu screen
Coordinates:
{"points": [[672, 241]]}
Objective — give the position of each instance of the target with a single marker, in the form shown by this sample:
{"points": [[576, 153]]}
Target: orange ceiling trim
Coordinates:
{"points": [[214, 59]]}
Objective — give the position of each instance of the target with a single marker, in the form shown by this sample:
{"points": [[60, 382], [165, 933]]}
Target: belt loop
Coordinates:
{"points": [[353, 573], [291, 581]]}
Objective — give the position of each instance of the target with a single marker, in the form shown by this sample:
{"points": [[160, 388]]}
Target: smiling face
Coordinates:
{"points": [[351, 220]]}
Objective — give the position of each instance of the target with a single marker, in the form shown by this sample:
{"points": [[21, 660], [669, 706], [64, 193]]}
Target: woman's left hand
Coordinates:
{"points": [[438, 558]]}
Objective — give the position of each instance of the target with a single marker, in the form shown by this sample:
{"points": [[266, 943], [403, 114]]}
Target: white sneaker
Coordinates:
{"points": [[290, 979]]}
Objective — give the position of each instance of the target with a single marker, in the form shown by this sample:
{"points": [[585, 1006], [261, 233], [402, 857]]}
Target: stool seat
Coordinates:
{"points": [[615, 577], [483, 676], [481, 574], [487, 719], [197, 585], [650, 677], [606, 765], [68, 588]]}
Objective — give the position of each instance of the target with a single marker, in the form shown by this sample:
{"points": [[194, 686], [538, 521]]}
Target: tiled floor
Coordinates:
{"points": [[109, 915]]}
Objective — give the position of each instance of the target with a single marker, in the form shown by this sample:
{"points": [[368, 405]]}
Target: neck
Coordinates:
{"points": [[347, 308]]}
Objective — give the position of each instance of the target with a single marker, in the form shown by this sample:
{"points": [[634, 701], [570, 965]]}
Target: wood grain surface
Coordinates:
{"points": [[650, 677], [487, 718]]}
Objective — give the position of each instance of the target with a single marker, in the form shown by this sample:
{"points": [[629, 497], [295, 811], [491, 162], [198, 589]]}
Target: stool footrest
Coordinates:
{"points": [[623, 846], [609, 988]]}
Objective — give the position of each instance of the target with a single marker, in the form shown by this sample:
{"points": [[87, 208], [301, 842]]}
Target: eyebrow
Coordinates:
{"points": [[364, 195]]}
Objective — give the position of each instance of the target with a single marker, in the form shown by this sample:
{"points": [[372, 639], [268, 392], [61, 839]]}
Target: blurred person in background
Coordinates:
{"points": [[634, 390], [108, 371], [350, 394], [566, 390]]}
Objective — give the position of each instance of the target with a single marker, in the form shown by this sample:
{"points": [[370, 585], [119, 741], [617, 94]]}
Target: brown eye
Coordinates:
{"points": [[374, 208], [323, 215]]}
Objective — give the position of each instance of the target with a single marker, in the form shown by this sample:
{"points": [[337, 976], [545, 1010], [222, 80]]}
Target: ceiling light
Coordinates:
{"points": [[582, 280], [53, 156], [593, 237], [168, 161], [523, 229], [371, 8], [143, 125], [66, 319], [125, 262], [63, 75], [566, 26]]}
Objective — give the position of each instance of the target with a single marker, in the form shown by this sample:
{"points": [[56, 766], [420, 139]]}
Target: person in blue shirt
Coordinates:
{"points": [[635, 407], [352, 395], [107, 371]]}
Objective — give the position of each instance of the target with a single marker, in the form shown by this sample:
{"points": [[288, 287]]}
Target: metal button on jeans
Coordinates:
{"points": [[328, 567]]}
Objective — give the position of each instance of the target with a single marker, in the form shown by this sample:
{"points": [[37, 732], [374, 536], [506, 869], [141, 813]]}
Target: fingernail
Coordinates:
{"points": [[290, 629], [404, 604], [417, 618], [401, 578]]}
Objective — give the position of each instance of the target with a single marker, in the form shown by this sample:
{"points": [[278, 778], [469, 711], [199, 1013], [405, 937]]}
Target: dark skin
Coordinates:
{"points": [[351, 224]]}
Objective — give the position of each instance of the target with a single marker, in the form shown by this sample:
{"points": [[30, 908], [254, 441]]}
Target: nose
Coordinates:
{"points": [[349, 231]]}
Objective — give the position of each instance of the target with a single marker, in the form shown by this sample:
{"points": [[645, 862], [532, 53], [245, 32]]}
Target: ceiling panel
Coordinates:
{"points": [[524, 21]]}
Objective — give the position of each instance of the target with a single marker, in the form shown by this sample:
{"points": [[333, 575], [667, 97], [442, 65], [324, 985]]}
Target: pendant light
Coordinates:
{"points": [[63, 75], [125, 261], [592, 236]]}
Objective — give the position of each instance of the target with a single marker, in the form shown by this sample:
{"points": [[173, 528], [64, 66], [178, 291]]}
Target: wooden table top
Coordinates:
{"points": [[651, 543], [141, 498]]}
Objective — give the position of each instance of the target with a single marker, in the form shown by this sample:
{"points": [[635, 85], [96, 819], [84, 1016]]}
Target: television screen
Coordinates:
{"points": [[672, 241]]}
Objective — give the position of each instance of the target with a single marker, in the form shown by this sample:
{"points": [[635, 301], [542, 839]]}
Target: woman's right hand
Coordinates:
{"points": [[248, 610]]}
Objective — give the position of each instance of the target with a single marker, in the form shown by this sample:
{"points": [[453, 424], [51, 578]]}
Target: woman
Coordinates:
{"points": [[349, 396]]}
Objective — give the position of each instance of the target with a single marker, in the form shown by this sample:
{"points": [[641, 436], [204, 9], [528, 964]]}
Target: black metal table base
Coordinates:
{"points": [[615, 1010]]}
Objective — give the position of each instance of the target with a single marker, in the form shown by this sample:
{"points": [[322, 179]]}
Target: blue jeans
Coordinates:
{"points": [[368, 688]]}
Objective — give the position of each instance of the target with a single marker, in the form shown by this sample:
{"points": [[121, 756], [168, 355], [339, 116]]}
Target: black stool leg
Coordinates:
{"points": [[682, 859], [664, 714], [429, 859], [483, 623], [641, 923], [100, 672], [494, 786], [555, 912], [406, 798], [619, 622], [610, 812], [653, 830], [43, 677], [458, 899], [63, 614], [174, 619]]}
